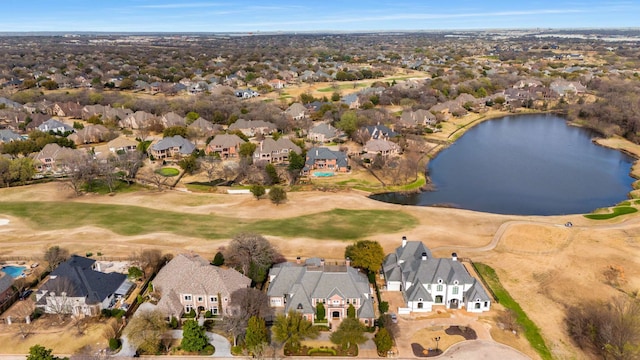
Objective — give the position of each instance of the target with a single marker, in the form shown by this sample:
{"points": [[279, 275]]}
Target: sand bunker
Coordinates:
{"points": [[4, 222]]}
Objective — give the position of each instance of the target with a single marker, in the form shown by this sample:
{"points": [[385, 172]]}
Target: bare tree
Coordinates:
{"points": [[149, 260], [111, 328], [158, 180], [251, 253], [108, 173], [24, 309], [59, 296], [55, 255], [129, 163], [611, 329], [211, 166], [146, 330]]}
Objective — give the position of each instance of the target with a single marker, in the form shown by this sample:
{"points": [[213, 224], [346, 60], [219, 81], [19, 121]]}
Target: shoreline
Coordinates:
{"points": [[615, 143]]}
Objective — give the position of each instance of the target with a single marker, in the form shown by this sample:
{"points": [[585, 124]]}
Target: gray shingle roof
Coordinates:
{"points": [[304, 283], [5, 281], [323, 153], [186, 147]]}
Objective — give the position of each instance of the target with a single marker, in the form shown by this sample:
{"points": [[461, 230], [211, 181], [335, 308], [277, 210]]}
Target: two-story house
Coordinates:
{"points": [[275, 151], [75, 287], [426, 281], [324, 159], [188, 282], [225, 145], [303, 286], [172, 147], [252, 128]]}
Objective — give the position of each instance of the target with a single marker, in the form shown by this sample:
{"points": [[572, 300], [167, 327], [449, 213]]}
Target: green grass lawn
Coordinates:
{"points": [[168, 171], [531, 331], [133, 220], [617, 211], [344, 87]]}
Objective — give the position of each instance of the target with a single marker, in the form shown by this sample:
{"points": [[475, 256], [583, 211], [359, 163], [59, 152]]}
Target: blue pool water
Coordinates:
{"points": [[323, 173], [13, 271]]}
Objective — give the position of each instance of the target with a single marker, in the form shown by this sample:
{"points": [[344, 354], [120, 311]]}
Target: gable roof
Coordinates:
{"points": [[226, 140], [300, 284], [5, 281], [186, 146], [53, 124], [8, 135], [324, 129], [93, 285], [323, 153], [192, 274], [380, 145]]}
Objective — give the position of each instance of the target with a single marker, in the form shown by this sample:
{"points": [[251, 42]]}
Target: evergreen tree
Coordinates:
{"points": [[320, 311], [383, 341], [193, 337], [256, 336]]}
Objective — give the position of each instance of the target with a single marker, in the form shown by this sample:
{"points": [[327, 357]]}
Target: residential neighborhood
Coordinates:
{"points": [[248, 194]]}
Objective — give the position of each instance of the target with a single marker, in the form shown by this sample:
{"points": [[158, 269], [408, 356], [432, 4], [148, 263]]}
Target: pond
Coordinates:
{"points": [[525, 165]]}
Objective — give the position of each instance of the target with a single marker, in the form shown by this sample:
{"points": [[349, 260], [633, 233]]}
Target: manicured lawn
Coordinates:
{"points": [[344, 86], [134, 220], [617, 211], [168, 171], [531, 331]]}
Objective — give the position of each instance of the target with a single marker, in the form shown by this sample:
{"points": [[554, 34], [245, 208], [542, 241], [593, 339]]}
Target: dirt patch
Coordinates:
{"points": [[466, 332]]}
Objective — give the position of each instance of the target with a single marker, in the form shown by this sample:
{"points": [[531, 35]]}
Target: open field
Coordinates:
{"points": [[543, 264]]}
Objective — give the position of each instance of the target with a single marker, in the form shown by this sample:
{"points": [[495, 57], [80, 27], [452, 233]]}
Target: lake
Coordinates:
{"points": [[525, 165]]}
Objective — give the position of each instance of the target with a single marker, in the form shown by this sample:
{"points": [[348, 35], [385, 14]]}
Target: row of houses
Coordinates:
{"points": [[189, 283]]}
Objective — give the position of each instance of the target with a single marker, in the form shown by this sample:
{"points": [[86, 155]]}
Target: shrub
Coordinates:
{"points": [[190, 315], [236, 350], [114, 344], [208, 314], [89, 254], [173, 323]]}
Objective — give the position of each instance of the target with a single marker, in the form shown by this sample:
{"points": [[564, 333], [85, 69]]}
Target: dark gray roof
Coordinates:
{"points": [[323, 153], [95, 286], [5, 281]]}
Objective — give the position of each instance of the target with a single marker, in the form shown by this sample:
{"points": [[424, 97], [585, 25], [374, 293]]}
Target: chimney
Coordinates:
{"points": [[454, 256], [298, 260], [347, 261], [404, 241], [322, 262], [424, 256]]}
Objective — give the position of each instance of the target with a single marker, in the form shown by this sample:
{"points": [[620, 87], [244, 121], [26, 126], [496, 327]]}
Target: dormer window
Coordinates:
{"points": [[439, 281], [455, 282]]}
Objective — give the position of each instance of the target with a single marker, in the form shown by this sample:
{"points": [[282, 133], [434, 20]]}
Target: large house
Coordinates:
{"points": [[55, 126], [324, 159], [172, 146], [382, 147], [426, 281], [323, 133], [301, 287], [225, 145], [55, 158], [275, 151], [122, 145], [188, 282], [76, 288], [252, 128]]}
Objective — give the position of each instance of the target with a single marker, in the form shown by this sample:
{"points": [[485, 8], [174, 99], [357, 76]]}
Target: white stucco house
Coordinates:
{"points": [[427, 282]]}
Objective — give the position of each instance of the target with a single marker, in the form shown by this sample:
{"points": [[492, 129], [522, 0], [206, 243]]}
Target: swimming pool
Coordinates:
{"points": [[13, 271], [323, 173]]}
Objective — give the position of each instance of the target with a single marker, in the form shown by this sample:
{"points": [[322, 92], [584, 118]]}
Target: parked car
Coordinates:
{"points": [[25, 294], [394, 318]]}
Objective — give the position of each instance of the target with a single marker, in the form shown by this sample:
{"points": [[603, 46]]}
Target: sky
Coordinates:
{"points": [[312, 15]]}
